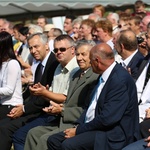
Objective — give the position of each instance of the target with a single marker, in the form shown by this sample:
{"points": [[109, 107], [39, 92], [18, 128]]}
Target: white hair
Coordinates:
{"points": [[114, 16], [35, 28], [94, 16]]}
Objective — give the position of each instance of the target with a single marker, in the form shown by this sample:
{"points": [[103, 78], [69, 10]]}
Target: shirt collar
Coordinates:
{"points": [[127, 60], [108, 71], [71, 63]]}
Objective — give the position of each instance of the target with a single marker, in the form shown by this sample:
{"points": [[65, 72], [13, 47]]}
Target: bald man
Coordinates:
{"points": [[126, 46], [111, 120]]}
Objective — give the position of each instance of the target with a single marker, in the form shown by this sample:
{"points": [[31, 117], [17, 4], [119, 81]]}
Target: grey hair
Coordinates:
{"points": [[97, 17], [77, 21], [114, 16], [85, 42], [36, 28], [42, 36]]}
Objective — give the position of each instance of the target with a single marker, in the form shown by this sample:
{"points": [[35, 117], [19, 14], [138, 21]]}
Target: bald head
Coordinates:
{"points": [[101, 57], [128, 39]]}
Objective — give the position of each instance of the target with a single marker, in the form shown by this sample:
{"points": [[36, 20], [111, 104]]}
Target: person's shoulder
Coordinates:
{"points": [[77, 73], [121, 73], [13, 64], [52, 56], [13, 61], [52, 60], [139, 55]]}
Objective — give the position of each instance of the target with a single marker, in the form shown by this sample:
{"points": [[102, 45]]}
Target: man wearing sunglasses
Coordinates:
{"points": [[65, 54]]}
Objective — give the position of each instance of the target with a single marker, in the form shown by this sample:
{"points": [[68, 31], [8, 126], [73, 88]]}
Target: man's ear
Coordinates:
{"points": [[122, 46], [73, 49], [97, 59]]}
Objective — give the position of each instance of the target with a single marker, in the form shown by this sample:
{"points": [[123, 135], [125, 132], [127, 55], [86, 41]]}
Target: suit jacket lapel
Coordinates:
{"points": [[142, 66], [76, 82], [82, 80], [132, 60], [101, 98], [73, 83]]}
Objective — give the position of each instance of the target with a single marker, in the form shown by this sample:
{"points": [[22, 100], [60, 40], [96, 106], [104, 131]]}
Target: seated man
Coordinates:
{"points": [[111, 120]]}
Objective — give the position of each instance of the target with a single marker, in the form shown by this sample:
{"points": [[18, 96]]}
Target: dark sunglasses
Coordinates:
{"points": [[61, 49]]}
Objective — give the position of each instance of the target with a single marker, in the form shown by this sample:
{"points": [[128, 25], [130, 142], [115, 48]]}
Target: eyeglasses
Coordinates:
{"points": [[61, 49]]}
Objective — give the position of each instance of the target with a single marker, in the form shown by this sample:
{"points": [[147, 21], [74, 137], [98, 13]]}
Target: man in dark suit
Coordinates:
{"points": [[111, 120], [22, 114], [143, 86], [80, 87], [126, 46]]}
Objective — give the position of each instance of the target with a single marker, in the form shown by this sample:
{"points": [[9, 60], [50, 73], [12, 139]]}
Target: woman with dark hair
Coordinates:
{"points": [[23, 54], [16, 29], [10, 76]]}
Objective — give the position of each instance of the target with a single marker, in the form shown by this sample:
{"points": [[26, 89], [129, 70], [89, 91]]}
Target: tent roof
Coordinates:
{"points": [[17, 7]]}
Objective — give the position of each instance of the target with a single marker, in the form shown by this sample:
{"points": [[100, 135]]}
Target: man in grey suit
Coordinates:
{"points": [[80, 86]]}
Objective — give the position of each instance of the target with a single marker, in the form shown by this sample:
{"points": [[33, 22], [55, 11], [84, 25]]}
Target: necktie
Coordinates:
{"points": [[38, 73], [147, 75], [123, 65], [90, 114]]}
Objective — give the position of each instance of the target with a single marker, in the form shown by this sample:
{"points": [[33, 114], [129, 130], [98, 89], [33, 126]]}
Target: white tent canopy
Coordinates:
{"points": [[31, 6]]}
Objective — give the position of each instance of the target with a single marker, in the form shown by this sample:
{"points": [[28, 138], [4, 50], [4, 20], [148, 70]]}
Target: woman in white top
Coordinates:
{"points": [[10, 76]]}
